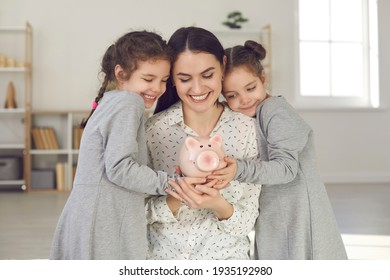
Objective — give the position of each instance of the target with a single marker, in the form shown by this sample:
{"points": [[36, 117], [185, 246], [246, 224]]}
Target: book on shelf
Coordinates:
{"points": [[44, 138], [37, 139], [51, 134], [77, 133], [62, 178]]}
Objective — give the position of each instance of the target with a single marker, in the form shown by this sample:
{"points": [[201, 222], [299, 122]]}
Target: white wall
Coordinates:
{"points": [[70, 37]]}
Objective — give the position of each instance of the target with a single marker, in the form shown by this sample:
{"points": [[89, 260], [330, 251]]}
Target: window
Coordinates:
{"points": [[338, 57]]}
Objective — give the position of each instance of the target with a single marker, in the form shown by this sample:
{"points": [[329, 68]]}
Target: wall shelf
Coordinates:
{"points": [[16, 46], [61, 161]]}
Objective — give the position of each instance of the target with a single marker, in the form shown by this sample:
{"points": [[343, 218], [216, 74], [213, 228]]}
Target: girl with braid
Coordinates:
{"points": [[296, 220], [104, 217]]}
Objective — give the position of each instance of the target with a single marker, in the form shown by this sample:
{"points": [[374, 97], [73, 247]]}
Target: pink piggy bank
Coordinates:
{"points": [[200, 156]]}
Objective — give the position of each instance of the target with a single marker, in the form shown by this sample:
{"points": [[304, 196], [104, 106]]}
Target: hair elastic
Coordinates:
{"points": [[94, 105]]}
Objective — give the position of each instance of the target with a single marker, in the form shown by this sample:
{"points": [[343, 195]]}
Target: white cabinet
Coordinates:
{"points": [[15, 68]]}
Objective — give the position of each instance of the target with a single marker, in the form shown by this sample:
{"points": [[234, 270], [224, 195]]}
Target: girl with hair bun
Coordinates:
{"points": [[296, 219]]}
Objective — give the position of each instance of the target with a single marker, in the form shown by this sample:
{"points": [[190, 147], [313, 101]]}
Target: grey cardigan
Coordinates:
{"points": [[296, 219], [104, 217]]}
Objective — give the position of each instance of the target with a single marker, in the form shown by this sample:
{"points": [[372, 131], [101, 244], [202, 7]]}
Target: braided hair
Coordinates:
{"points": [[126, 52]]}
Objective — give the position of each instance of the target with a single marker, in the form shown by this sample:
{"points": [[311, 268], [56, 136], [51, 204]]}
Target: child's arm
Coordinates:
{"points": [[121, 130], [285, 139], [225, 175]]}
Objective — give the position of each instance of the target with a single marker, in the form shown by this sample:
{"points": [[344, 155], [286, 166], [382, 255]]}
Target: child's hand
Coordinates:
{"points": [[224, 175]]}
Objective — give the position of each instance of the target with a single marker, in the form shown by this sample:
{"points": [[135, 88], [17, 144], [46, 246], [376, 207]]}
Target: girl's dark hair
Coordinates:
{"points": [[250, 55], [127, 51], [194, 39]]}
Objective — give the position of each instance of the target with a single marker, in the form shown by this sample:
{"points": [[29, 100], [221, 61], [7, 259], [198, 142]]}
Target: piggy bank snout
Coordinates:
{"points": [[207, 161]]}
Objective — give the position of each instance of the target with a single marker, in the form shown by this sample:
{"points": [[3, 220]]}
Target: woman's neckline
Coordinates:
{"points": [[204, 124]]}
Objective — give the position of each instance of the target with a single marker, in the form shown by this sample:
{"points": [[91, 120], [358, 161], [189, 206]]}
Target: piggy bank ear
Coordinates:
{"points": [[217, 139], [191, 143]]}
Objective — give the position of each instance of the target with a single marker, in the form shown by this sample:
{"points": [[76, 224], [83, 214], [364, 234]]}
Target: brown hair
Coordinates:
{"points": [[249, 55], [194, 39], [126, 52]]}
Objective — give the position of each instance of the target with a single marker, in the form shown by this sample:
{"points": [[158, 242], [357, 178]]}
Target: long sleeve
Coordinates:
{"points": [[282, 136], [245, 210], [157, 211], [123, 136]]}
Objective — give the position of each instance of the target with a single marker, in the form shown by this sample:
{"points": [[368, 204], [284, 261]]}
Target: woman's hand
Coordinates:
{"points": [[174, 201], [224, 175], [202, 196]]}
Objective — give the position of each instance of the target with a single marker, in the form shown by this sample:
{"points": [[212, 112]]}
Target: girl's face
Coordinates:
{"points": [[243, 90], [149, 80], [197, 77]]}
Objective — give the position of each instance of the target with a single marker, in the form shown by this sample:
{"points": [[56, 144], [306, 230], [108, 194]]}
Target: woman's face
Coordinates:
{"points": [[243, 90], [198, 80]]}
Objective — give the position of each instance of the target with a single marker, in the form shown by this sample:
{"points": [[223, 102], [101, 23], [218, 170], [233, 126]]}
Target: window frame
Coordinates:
{"points": [[370, 98]]}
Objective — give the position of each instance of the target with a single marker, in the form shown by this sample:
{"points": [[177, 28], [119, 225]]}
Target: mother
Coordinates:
{"points": [[212, 224]]}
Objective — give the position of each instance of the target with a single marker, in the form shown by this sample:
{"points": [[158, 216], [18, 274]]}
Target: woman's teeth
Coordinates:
{"points": [[199, 97], [149, 97]]}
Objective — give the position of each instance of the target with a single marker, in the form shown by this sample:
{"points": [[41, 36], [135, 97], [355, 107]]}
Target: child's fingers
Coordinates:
{"points": [[224, 171], [217, 174], [229, 159], [220, 177]]}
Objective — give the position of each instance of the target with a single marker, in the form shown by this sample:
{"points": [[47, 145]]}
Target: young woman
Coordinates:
{"points": [[296, 220], [199, 222], [104, 217]]}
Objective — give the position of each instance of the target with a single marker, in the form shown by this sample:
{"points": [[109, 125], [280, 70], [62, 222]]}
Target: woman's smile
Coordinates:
{"points": [[199, 98]]}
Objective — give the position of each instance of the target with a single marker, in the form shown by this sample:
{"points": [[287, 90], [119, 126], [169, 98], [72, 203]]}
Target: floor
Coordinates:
{"points": [[363, 215], [28, 220]]}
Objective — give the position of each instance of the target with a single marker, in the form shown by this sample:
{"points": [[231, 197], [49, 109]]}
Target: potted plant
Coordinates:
{"points": [[234, 20]]}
